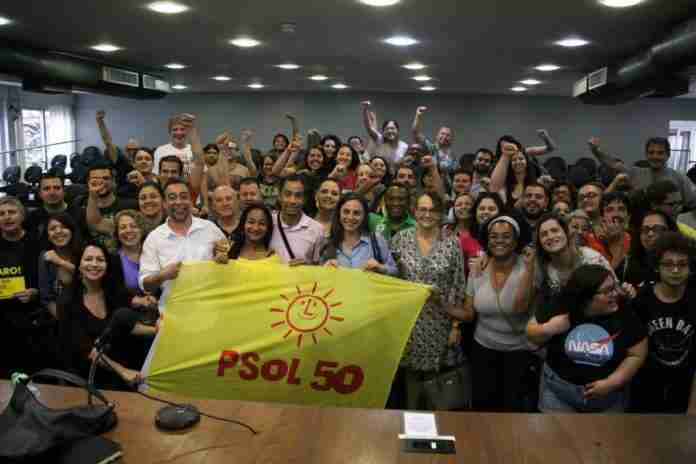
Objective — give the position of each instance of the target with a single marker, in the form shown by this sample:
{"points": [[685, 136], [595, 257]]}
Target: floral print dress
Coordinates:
{"points": [[443, 268]]}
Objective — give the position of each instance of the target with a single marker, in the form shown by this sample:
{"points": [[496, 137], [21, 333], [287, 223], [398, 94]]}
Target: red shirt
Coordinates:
{"points": [[602, 247]]}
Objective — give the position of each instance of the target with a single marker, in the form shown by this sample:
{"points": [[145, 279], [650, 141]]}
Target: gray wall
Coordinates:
{"points": [[477, 120]]}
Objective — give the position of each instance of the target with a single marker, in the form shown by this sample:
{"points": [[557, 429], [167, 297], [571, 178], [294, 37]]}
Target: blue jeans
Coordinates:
{"points": [[558, 395]]}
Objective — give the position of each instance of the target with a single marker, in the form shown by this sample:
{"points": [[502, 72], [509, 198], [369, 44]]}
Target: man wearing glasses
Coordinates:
{"points": [[666, 384]]}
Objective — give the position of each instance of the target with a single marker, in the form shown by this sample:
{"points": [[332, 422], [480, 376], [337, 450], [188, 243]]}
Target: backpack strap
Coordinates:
{"points": [[285, 239], [376, 252]]}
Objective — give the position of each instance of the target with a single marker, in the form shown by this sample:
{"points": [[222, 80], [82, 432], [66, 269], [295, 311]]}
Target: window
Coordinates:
{"points": [[34, 135], [682, 138], [46, 133]]}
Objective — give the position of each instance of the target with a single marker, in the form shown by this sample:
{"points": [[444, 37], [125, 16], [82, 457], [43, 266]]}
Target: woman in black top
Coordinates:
{"points": [[84, 312], [640, 266], [594, 349]]}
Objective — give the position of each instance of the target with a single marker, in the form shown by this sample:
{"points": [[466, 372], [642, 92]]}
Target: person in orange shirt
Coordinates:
{"points": [[612, 240]]}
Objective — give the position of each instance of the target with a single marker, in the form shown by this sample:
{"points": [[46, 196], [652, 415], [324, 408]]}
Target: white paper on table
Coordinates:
{"points": [[418, 424]]}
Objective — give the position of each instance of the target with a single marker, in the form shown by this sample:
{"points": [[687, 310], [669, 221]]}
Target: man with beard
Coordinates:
{"points": [[535, 200], [657, 152], [182, 237], [250, 192], [179, 127], [385, 143], [483, 165], [397, 218], [589, 199], [613, 242], [665, 384], [442, 148], [97, 218], [294, 233]]}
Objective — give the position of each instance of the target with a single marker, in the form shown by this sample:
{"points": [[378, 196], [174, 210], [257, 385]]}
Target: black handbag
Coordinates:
{"points": [[28, 428], [450, 390]]}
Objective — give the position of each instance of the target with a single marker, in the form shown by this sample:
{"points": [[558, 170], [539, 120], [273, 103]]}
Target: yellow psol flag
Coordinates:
{"points": [[263, 331]]}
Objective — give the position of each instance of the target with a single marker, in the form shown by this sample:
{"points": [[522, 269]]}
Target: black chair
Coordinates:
{"points": [[606, 174], [12, 174], [90, 155], [590, 166], [32, 176], [578, 176], [557, 167], [59, 161]]}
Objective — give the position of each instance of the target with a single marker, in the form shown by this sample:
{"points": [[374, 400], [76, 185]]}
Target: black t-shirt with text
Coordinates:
{"points": [[18, 271], [664, 382], [594, 347]]}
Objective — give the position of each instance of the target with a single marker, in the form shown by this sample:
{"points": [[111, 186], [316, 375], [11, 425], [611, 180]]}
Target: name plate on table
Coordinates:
{"points": [[11, 285]]}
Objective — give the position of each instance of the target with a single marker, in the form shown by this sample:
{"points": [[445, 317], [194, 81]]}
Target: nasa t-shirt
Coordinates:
{"points": [[594, 347]]}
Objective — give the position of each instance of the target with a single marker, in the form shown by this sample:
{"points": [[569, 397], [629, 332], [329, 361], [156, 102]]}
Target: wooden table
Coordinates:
{"points": [[307, 435]]}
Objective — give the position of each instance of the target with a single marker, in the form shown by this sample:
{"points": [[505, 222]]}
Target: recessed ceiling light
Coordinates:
{"points": [[547, 67], [401, 41], [530, 82], [179, 87], [106, 48], [288, 66], [380, 2], [620, 3], [428, 88], [339, 86], [175, 66], [167, 7], [414, 66], [519, 89], [222, 78], [256, 86], [422, 78], [245, 42], [5, 21], [572, 42], [318, 77]]}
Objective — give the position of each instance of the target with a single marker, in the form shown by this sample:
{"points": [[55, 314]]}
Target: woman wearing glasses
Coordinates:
{"points": [[666, 384], [640, 266], [425, 256], [594, 349]]}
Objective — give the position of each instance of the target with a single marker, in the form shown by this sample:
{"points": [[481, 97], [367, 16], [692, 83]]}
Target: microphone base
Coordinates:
{"points": [[178, 417]]}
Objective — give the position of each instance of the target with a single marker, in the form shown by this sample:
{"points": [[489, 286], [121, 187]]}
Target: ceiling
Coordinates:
{"points": [[472, 47]]}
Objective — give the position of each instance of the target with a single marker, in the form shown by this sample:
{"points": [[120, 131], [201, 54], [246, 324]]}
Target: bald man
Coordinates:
{"points": [[226, 209]]}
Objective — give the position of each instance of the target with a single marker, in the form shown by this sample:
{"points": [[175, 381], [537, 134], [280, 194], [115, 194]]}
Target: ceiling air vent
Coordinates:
{"points": [[597, 78], [580, 87], [120, 76], [154, 83]]}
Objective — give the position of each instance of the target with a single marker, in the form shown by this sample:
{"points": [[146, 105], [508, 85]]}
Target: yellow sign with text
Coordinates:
{"points": [[263, 331]]}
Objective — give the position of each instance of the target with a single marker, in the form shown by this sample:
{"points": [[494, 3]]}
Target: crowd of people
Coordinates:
{"points": [[559, 289]]}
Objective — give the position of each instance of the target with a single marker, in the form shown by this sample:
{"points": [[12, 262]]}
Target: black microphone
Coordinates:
{"points": [[121, 323]]}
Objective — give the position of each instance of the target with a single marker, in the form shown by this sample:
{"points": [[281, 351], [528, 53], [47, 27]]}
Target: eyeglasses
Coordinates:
{"points": [[674, 266], [656, 229], [589, 195]]}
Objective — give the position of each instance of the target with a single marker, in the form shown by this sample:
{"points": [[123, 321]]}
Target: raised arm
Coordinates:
{"points": [[294, 125], [198, 168], [106, 137], [548, 147], [428, 162], [501, 168], [525, 289], [370, 121], [417, 127], [245, 141], [602, 157]]}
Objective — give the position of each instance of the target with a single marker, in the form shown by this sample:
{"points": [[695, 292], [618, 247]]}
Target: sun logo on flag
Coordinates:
{"points": [[306, 314]]}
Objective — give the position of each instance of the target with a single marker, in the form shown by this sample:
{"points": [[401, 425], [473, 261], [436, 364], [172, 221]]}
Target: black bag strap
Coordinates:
{"points": [[70, 378], [285, 239], [376, 253]]}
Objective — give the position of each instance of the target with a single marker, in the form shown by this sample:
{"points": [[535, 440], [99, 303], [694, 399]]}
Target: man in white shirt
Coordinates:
{"points": [[182, 237], [299, 232], [178, 132]]}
